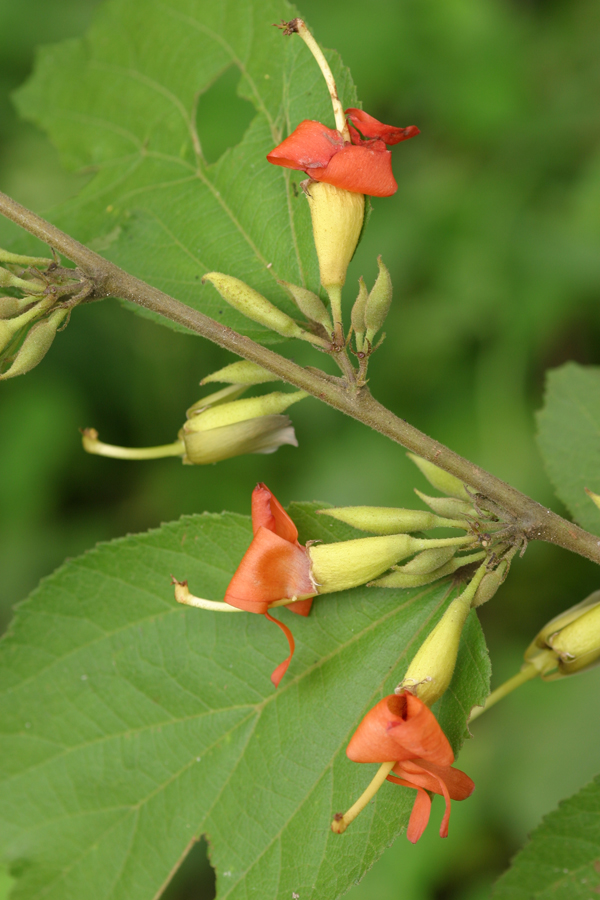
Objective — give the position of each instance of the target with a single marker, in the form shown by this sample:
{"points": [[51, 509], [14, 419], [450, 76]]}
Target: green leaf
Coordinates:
{"points": [[131, 725], [562, 859], [123, 100], [569, 438]]}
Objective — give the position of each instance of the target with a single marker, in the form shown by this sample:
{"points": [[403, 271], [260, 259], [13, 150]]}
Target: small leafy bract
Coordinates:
{"points": [[131, 725], [123, 102]]}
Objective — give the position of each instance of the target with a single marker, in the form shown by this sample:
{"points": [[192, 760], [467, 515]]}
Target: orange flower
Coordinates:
{"points": [[401, 728], [275, 567], [363, 166]]}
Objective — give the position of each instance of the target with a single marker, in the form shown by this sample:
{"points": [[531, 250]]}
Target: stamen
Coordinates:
{"points": [[341, 822]]}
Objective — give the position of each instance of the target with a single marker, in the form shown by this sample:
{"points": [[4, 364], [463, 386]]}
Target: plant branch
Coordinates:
{"points": [[536, 522]]}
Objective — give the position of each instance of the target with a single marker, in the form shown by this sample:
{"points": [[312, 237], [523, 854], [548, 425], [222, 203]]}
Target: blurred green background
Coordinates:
{"points": [[492, 241]]}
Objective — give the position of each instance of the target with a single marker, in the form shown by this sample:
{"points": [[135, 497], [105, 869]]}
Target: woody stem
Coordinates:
{"points": [[338, 109], [534, 522], [340, 823]]}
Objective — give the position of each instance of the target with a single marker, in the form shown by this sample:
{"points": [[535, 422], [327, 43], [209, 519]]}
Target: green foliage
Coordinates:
{"points": [[125, 101], [569, 438], [131, 725], [562, 859]]}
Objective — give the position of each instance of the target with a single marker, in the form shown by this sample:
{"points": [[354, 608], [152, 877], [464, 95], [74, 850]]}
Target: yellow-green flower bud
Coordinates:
{"points": [[429, 560], [347, 564], [337, 220], [225, 395], [490, 583], [241, 410], [438, 478], [401, 578], [595, 498], [12, 306], [431, 669], [7, 279], [358, 315], [10, 328], [573, 637], [253, 305], [242, 372], [309, 304], [378, 302], [386, 520], [264, 434], [16, 259], [448, 506], [36, 344]]}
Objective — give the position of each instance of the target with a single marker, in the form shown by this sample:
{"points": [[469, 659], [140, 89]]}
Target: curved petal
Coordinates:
{"points": [[371, 127], [271, 569], [282, 668], [459, 785], [400, 727], [310, 145], [419, 816], [267, 512], [431, 782], [302, 607], [363, 170]]}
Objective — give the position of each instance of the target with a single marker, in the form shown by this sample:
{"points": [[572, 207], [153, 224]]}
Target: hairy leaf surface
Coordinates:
{"points": [[131, 725], [123, 102], [569, 438], [562, 859]]}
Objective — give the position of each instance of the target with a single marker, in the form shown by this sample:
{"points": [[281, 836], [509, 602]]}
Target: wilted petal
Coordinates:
{"points": [[310, 145], [280, 670], [366, 169], [262, 434], [370, 127]]}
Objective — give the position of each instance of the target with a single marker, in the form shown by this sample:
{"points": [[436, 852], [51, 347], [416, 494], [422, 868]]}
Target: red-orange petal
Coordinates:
{"points": [[271, 569], [310, 145], [267, 512], [302, 607], [371, 127], [459, 785], [282, 668], [400, 727], [366, 169], [419, 816]]}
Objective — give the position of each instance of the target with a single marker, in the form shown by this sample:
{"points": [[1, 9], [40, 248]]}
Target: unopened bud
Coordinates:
{"points": [[574, 638], [36, 344], [429, 560], [378, 302], [264, 434], [12, 306], [358, 314], [438, 478], [431, 670], [490, 583], [385, 520], [10, 328], [448, 506], [225, 395], [401, 578], [242, 372], [595, 498], [337, 220], [253, 305], [7, 279], [241, 410], [309, 304], [16, 259]]}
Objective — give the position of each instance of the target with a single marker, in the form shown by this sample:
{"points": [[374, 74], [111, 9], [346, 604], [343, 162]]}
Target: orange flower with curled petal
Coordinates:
{"points": [[404, 735], [275, 567], [363, 166]]}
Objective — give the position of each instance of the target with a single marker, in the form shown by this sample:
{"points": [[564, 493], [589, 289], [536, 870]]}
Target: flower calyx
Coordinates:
{"points": [[569, 643]]}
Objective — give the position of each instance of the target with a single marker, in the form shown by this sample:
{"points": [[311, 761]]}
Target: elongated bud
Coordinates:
{"points": [[309, 304], [253, 305], [225, 395], [401, 578], [12, 306], [428, 560], [10, 328], [431, 670], [242, 372], [36, 344], [440, 479], [347, 564], [385, 520], [16, 259], [358, 314], [448, 506], [241, 410], [378, 302], [264, 434], [574, 638], [337, 220], [491, 582], [595, 498], [7, 279]]}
